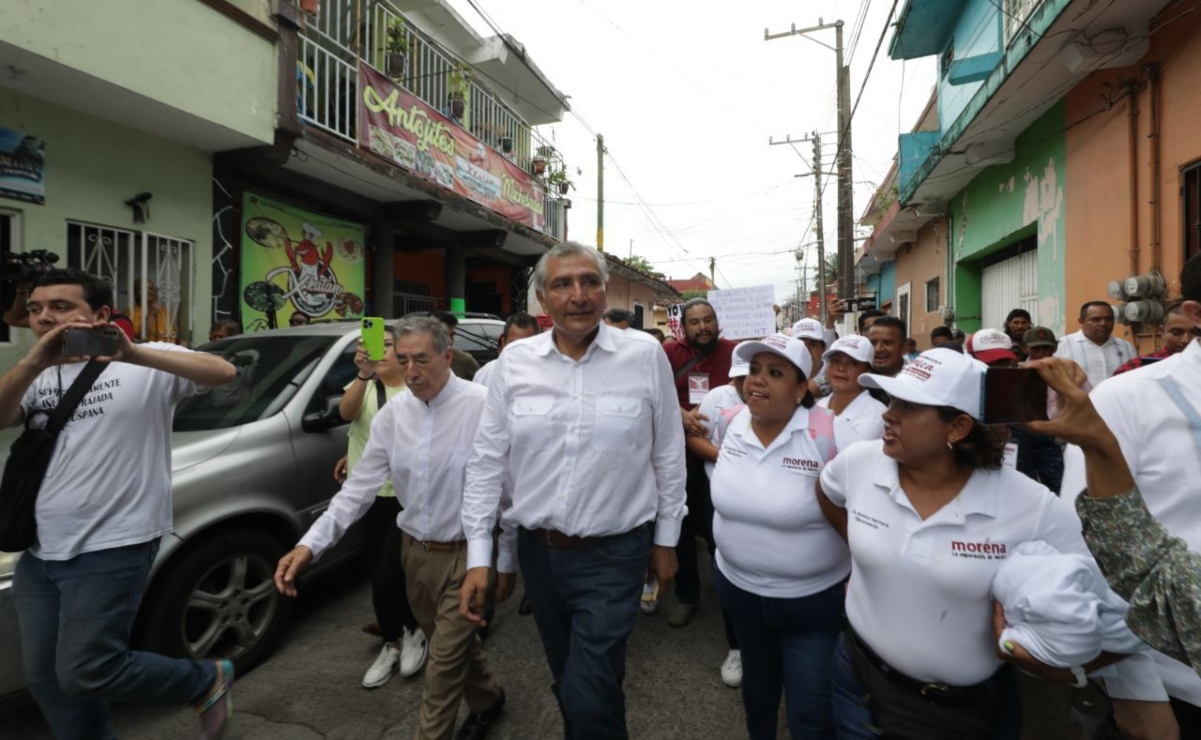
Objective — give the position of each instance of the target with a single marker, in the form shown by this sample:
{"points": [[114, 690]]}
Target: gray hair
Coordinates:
{"points": [[423, 325], [568, 249]]}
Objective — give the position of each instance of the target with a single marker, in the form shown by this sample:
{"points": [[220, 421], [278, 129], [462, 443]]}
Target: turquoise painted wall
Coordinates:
{"points": [[887, 290], [977, 33], [1004, 203]]}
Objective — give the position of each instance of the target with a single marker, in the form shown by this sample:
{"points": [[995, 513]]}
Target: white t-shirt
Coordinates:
{"points": [[921, 591], [864, 416], [109, 480], [716, 401], [772, 539]]}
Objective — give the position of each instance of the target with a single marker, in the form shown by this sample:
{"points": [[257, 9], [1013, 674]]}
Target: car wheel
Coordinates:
{"points": [[218, 600]]}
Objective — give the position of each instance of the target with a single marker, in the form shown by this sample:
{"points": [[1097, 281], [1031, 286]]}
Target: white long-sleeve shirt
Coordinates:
{"points": [[592, 447], [1098, 360], [424, 449]]}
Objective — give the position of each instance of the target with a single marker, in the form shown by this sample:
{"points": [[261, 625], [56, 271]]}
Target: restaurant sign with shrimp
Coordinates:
{"points": [[298, 261]]}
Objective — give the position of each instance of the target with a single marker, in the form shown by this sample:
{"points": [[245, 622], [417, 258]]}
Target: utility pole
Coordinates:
{"points": [[816, 164], [821, 231], [846, 207], [712, 271], [600, 192]]}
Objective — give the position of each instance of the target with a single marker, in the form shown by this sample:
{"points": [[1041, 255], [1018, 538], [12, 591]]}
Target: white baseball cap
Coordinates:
{"points": [[854, 346], [739, 368], [937, 377], [808, 329], [990, 345], [790, 348]]}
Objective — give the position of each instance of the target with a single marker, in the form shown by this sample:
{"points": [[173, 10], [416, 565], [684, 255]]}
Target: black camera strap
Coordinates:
{"points": [[69, 401]]}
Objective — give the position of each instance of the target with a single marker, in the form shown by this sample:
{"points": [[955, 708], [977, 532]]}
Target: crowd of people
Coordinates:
{"points": [[885, 561]]}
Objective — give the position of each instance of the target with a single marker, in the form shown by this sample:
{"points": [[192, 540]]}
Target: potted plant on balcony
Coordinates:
{"points": [[542, 156], [506, 141], [457, 86], [558, 178], [397, 59], [312, 7]]}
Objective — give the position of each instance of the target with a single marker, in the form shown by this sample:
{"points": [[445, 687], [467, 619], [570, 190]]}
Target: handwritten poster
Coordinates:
{"points": [[745, 313]]}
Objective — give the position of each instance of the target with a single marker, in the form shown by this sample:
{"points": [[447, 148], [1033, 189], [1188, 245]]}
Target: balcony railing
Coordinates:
{"points": [[1016, 12], [327, 80]]}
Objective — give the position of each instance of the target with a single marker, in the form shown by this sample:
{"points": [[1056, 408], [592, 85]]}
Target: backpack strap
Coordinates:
{"points": [[70, 400], [381, 396]]}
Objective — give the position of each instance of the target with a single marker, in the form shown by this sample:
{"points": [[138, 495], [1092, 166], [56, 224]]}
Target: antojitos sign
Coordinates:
{"points": [[403, 129]]}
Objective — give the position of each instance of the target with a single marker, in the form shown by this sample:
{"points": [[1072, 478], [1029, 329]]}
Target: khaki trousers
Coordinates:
{"points": [[457, 663]]}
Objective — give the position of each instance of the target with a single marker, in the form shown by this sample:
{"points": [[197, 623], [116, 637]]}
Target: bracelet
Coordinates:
{"points": [[366, 379]]}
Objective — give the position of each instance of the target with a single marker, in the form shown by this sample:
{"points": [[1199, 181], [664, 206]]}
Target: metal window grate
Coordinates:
{"points": [[1190, 193], [133, 261], [932, 295]]}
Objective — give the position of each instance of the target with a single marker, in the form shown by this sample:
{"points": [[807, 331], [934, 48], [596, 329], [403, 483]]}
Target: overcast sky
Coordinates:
{"points": [[686, 100]]}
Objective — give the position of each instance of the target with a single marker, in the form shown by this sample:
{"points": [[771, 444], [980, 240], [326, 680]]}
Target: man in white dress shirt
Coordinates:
{"points": [[420, 439], [1094, 347], [585, 423]]}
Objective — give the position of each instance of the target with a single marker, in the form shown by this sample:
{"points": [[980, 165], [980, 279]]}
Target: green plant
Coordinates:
{"points": [[559, 177], [398, 38], [458, 82]]}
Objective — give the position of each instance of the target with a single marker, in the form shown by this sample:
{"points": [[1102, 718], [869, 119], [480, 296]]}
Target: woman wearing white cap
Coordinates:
{"points": [[930, 514], [816, 340], [855, 409], [780, 567]]}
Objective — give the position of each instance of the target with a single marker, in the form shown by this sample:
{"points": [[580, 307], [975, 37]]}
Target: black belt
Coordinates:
{"points": [[557, 539], [935, 692]]}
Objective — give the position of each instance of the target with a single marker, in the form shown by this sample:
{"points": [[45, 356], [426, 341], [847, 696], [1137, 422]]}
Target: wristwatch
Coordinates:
{"points": [[1081, 678]]}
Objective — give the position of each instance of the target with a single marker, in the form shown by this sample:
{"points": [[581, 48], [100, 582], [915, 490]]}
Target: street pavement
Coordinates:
{"points": [[311, 687]]}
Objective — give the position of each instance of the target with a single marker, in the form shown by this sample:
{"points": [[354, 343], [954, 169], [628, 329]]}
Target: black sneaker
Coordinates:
{"points": [[477, 725]]}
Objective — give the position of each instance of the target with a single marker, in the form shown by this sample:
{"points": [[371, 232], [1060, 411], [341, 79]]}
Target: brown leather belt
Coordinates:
{"points": [[437, 546], [555, 538]]}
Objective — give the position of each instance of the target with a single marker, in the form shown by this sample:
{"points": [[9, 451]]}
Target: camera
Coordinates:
{"points": [[25, 267]]}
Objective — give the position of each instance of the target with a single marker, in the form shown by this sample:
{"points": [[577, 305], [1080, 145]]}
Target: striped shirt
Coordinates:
{"points": [[1099, 361]]}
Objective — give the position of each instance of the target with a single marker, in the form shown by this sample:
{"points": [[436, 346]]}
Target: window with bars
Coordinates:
{"points": [[932, 296], [145, 270], [1016, 12], [1190, 191]]}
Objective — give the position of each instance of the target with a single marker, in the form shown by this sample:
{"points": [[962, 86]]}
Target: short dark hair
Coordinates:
{"points": [[1015, 313], [953, 345], [871, 313], [233, 327], [692, 303], [1190, 279], [96, 290], [1084, 309], [446, 317], [982, 449], [619, 315], [941, 331], [521, 320], [656, 332], [894, 322]]}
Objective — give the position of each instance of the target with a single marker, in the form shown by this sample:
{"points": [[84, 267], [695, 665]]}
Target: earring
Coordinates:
{"points": [[950, 445], [799, 401]]}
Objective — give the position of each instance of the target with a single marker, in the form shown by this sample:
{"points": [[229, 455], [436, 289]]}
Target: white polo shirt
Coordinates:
{"points": [[772, 538], [921, 591], [712, 405], [1164, 454], [864, 416]]}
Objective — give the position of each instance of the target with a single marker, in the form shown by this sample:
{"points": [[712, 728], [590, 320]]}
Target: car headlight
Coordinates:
{"points": [[8, 564]]}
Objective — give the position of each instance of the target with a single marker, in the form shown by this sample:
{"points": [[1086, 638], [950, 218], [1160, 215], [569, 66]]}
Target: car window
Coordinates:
{"points": [[477, 337], [335, 380], [270, 370]]}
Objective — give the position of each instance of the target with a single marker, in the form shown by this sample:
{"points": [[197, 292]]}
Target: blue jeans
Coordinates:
{"points": [[585, 603], [853, 718], [75, 618], [786, 646]]}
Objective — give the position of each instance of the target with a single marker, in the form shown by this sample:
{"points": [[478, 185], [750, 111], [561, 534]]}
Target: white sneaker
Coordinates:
{"points": [[382, 669], [413, 649], [731, 669]]}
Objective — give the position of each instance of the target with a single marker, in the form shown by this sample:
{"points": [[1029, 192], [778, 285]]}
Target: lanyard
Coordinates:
{"points": [[1188, 409]]}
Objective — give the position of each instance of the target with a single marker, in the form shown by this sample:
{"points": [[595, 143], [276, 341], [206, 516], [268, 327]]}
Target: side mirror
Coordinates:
{"points": [[322, 421]]}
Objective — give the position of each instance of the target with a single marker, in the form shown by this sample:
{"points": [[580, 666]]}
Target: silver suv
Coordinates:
{"points": [[252, 468]]}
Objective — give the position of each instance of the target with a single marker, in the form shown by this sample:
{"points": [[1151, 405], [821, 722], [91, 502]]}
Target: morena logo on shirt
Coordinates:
{"points": [[802, 464], [979, 550]]}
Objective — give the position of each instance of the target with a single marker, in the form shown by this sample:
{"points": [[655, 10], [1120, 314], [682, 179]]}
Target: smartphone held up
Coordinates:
{"points": [[373, 337], [102, 341], [1014, 395]]}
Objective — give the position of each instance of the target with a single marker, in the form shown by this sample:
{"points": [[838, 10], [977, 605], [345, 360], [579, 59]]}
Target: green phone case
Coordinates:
{"points": [[373, 337]]}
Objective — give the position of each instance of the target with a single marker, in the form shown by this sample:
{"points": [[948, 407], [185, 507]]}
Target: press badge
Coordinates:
{"points": [[698, 387]]}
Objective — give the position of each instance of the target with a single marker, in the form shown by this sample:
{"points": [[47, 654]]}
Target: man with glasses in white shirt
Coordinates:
{"points": [[584, 422], [420, 440], [1094, 347]]}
